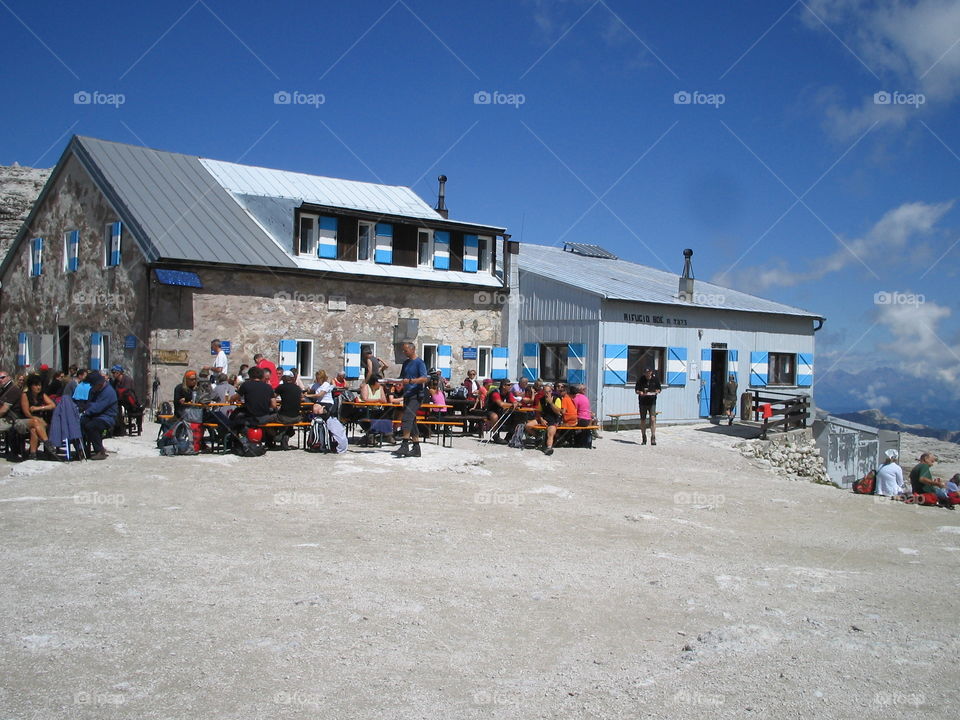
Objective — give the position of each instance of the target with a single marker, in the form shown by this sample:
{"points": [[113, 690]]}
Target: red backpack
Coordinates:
{"points": [[867, 484]]}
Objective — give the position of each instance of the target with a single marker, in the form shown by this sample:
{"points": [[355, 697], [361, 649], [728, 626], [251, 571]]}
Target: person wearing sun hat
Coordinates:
{"points": [[890, 475]]}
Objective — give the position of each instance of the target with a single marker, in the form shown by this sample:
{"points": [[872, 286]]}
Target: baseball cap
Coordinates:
{"points": [[117, 368], [288, 373]]}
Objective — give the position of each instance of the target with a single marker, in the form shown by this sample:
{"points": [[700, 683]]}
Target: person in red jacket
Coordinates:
{"points": [[261, 362]]}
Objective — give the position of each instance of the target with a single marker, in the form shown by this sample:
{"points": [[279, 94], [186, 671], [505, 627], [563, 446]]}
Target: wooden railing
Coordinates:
{"points": [[787, 412]]}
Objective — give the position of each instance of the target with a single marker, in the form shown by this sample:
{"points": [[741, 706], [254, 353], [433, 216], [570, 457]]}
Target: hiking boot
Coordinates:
{"points": [[548, 451], [730, 421], [653, 441], [403, 450], [102, 455], [644, 441], [285, 443], [415, 452], [32, 456]]}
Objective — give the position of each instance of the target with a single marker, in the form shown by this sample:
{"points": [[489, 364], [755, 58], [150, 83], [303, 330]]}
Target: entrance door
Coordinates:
{"points": [[63, 346], [718, 377]]}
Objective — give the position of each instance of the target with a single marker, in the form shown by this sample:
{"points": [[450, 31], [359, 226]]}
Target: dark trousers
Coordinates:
{"points": [[92, 429], [411, 404]]}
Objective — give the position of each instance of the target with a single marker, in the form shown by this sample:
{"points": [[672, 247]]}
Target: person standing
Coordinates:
{"points": [[647, 389], [261, 362], [413, 376], [730, 397], [220, 362]]}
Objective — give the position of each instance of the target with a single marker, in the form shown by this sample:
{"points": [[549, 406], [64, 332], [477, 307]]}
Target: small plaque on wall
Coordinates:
{"points": [[336, 302], [170, 357]]}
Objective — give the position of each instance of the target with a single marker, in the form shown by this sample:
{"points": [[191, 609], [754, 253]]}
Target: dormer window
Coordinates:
{"points": [[366, 241], [317, 236], [425, 248], [307, 242]]}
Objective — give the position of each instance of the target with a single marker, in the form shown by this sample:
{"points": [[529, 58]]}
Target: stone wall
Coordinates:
{"points": [[92, 299], [255, 310], [793, 456]]}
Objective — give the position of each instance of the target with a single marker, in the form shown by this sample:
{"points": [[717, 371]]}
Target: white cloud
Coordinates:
{"points": [[918, 345], [884, 243], [911, 45]]}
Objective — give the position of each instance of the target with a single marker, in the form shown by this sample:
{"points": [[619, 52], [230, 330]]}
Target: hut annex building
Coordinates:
{"points": [[580, 314], [141, 257]]}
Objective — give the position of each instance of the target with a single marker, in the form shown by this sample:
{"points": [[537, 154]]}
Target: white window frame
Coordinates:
{"points": [[793, 365], [423, 354], [430, 247], [484, 245], [315, 220], [371, 241], [484, 372], [306, 371], [105, 361]]}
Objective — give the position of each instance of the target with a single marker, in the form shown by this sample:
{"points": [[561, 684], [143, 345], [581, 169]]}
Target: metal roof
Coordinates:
{"points": [[586, 250], [624, 280], [318, 190]]}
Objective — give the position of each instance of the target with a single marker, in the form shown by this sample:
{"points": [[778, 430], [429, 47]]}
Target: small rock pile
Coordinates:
{"points": [[797, 458]]}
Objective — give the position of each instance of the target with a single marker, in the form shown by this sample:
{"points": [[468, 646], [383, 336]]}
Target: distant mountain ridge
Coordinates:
{"points": [[894, 398], [876, 418]]}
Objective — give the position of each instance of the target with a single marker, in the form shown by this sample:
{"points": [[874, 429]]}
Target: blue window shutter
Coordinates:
{"points": [[733, 364], [531, 361], [288, 354], [95, 348], [73, 251], [614, 364], [576, 363], [327, 237], [705, 362], [441, 250], [116, 230], [444, 356], [351, 359], [804, 369], [759, 362], [21, 350], [470, 246], [384, 248], [499, 361], [676, 366]]}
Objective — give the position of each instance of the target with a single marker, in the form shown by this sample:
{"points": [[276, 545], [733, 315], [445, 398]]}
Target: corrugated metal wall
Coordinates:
{"points": [[555, 312]]}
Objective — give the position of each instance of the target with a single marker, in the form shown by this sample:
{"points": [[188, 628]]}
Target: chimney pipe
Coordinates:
{"points": [[441, 197], [686, 279]]}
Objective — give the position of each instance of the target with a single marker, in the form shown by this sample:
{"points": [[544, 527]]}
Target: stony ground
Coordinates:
{"points": [[624, 582]]}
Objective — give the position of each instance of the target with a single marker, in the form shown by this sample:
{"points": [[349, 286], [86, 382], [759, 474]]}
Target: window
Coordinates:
{"points": [[782, 369], [71, 251], [305, 358], [425, 248], [484, 243], [483, 362], [365, 241], [641, 357], [307, 236], [36, 257], [429, 355], [553, 362], [111, 244]]}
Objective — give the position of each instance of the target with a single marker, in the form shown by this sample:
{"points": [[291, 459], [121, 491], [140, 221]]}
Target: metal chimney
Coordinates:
{"points": [[441, 197], [686, 279]]}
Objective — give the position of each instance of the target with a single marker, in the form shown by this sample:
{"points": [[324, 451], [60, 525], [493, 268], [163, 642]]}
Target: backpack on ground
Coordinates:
{"points": [[245, 447], [461, 393], [176, 438], [318, 437], [866, 485], [516, 440]]}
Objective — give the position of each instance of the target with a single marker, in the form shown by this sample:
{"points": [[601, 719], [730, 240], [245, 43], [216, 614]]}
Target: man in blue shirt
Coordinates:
{"points": [[100, 414], [414, 377]]}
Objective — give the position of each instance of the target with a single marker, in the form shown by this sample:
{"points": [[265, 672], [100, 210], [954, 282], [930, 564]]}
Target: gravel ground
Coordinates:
{"points": [[674, 581]]}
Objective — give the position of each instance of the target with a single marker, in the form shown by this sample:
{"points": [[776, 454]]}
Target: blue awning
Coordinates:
{"points": [[183, 278]]}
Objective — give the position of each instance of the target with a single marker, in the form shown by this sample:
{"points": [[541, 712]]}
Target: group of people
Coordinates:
{"points": [[890, 482], [50, 409]]}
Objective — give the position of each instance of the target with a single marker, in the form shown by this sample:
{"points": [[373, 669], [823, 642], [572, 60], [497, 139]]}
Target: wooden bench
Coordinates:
{"points": [[301, 428], [445, 425], [616, 418], [564, 432]]}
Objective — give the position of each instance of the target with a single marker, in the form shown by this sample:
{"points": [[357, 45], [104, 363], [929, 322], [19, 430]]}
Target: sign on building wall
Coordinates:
{"points": [[170, 357], [651, 319], [469, 353], [130, 342]]}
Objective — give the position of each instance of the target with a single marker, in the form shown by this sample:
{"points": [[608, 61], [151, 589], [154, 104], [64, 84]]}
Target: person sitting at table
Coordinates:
{"points": [[436, 395], [35, 407], [548, 416], [289, 413], [471, 383], [374, 391], [259, 402], [321, 392], [185, 392], [499, 405], [340, 381]]}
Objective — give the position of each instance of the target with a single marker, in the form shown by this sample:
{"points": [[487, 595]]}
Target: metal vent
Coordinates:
{"points": [[594, 251]]}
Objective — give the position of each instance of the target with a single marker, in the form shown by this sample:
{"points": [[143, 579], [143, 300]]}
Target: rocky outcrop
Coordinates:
{"points": [[19, 187], [796, 458]]}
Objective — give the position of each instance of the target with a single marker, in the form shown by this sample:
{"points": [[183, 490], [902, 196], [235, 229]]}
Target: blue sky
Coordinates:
{"points": [[785, 172]]}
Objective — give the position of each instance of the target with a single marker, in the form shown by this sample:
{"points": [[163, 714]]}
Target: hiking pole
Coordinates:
{"points": [[498, 425]]}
